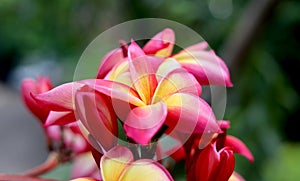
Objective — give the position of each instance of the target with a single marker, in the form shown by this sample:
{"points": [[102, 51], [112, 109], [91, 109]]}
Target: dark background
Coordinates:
{"points": [[259, 40]]}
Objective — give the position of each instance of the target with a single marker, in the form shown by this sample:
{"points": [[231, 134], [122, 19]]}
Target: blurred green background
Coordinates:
{"points": [[259, 40]]}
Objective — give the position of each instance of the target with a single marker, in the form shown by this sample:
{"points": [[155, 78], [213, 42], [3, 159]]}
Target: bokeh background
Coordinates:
{"points": [[258, 39]]}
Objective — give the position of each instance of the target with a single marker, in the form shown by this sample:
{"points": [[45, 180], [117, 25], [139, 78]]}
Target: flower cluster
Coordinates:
{"points": [[149, 94]]}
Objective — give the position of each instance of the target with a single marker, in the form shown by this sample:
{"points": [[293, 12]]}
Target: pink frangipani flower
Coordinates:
{"points": [[159, 93], [68, 140]]}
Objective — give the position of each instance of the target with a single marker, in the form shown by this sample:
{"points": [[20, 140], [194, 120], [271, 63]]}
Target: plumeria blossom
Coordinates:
{"points": [[67, 139], [71, 134], [160, 93], [216, 161], [151, 94], [204, 64]]}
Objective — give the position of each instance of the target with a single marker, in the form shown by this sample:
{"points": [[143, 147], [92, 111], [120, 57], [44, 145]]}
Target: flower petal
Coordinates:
{"points": [[142, 72], [109, 61], [142, 123], [146, 170], [207, 161], [114, 162], [161, 45], [84, 166], [238, 147], [30, 86], [60, 118], [205, 65], [225, 166], [60, 98], [214, 165], [117, 70], [115, 90], [188, 113], [236, 177], [177, 81], [97, 116], [166, 67]]}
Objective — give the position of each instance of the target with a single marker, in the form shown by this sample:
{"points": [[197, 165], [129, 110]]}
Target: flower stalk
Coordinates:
{"points": [[51, 163]]}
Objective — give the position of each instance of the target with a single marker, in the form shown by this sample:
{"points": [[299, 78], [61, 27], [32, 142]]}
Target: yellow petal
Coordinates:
{"points": [[114, 162], [145, 170]]}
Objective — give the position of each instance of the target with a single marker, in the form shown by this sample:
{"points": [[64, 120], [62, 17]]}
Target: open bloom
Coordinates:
{"points": [[204, 64], [156, 93]]}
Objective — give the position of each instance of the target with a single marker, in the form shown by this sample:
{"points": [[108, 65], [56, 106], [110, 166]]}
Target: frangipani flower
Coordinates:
{"points": [[160, 93], [204, 64], [68, 140], [214, 164], [216, 161]]}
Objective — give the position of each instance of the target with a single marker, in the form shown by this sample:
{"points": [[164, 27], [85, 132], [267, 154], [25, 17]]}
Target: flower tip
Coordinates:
{"points": [[229, 83]]}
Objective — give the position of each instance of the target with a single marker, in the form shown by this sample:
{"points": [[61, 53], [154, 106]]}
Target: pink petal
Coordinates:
{"points": [[54, 133], [109, 61], [142, 72], [60, 118], [225, 166], [60, 98], [117, 70], [74, 141], [236, 177], [215, 165], [146, 170], [238, 147], [84, 166], [177, 81], [207, 162], [97, 116], [205, 65], [188, 113], [114, 162], [143, 123], [161, 44], [30, 86], [115, 90]]}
